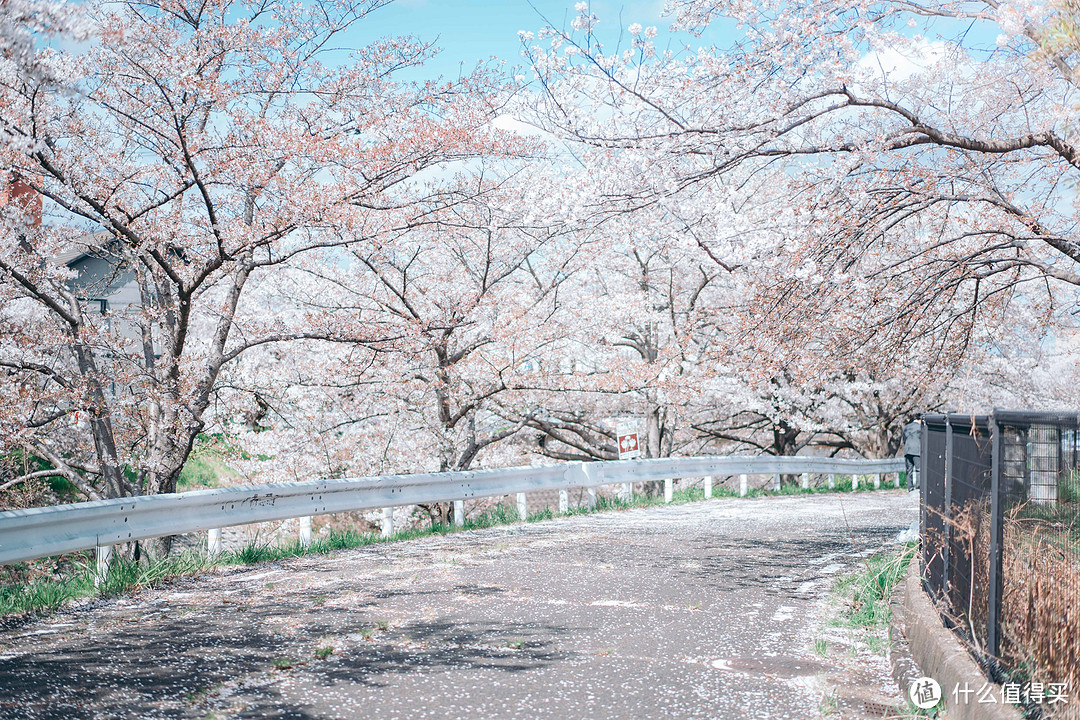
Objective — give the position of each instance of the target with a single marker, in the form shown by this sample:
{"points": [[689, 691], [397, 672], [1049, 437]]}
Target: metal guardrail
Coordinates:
{"points": [[41, 532]]}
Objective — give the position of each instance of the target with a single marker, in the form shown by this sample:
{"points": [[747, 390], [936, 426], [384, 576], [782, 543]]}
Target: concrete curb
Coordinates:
{"points": [[932, 650]]}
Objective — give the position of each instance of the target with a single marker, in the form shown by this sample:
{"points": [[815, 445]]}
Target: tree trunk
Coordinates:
{"points": [[653, 443], [784, 443]]}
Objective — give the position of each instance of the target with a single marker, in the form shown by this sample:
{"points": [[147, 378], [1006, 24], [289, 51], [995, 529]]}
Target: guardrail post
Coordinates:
{"points": [[387, 522], [564, 501], [626, 493], [586, 471], [806, 481], [877, 481], [305, 531], [459, 513], [669, 490], [776, 482], [896, 479], [104, 560], [522, 509], [707, 481], [854, 482], [832, 481], [213, 542], [743, 485]]}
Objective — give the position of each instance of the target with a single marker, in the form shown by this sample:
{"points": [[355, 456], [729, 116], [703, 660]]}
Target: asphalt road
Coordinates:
{"points": [[707, 610]]}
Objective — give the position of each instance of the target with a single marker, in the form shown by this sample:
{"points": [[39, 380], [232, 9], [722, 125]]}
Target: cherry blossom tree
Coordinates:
{"points": [[203, 145], [929, 147], [468, 305], [640, 330], [25, 23]]}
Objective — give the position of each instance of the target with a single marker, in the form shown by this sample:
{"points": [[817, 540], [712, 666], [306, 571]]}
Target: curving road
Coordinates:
{"points": [[707, 610]]}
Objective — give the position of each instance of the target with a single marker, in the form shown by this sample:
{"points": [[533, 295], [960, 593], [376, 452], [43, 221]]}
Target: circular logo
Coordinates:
{"points": [[925, 693]]}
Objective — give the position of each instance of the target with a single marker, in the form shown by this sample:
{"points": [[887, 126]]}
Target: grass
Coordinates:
{"points": [[829, 706], [1061, 517], [870, 590], [1069, 489], [913, 711], [124, 576], [205, 466], [23, 593]]}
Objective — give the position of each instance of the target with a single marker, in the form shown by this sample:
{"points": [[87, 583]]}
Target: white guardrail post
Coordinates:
{"points": [[213, 542], [669, 489], [305, 531], [564, 501], [459, 513], [32, 533], [707, 486], [104, 561], [776, 482], [522, 508], [832, 480], [854, 482], [581, 474], [806, 481]]}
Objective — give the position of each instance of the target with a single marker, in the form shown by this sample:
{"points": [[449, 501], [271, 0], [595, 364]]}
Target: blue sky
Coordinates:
{"points": [[471, 30]]}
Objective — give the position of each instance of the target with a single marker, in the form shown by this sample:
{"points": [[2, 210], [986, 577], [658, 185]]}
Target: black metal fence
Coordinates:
{"points": [[1001, 540]]}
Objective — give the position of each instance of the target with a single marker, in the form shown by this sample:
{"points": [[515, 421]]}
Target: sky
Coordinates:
{"points": [[472, 30]]}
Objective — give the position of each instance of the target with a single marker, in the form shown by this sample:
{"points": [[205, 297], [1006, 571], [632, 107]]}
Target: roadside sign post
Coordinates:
{"points": [[627, 436]]}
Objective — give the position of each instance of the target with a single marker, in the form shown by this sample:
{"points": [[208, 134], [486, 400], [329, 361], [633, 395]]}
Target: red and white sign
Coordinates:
{"points": [[628, 442]]}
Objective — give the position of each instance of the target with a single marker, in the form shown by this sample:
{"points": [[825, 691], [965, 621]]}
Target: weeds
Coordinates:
{"points": [[124, 576], [871, 589], [829, 706]]}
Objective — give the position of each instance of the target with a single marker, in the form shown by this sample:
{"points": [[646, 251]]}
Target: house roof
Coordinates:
{"points": [[83, 247]]}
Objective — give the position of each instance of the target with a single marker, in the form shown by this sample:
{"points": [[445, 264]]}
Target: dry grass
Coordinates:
{"points": [[1040, 613], [1041, 605]]}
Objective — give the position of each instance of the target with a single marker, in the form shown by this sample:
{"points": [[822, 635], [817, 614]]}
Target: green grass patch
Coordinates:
{"points": [[204, 468], [42, 595], [869, 590]]}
